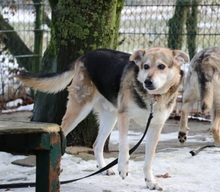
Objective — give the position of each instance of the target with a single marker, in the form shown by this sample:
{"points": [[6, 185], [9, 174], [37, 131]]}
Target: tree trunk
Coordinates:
{"points": [[191, 26], [186, 12], [76, 27], [176, 25]]}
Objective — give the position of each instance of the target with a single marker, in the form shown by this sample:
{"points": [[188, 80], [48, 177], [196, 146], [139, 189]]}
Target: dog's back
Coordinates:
{"points": [[105, 68], [103, 65], [207, 66]]}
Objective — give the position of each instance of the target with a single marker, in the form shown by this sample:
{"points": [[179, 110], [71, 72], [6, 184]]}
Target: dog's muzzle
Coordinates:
{"points": [[149, 84]]}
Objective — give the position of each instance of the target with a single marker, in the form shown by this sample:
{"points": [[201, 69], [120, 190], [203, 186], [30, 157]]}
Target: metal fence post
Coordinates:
{"points": [[38, 32]]}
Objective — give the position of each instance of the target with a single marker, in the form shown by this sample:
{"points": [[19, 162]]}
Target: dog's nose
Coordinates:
{"points": [[149, 84]]}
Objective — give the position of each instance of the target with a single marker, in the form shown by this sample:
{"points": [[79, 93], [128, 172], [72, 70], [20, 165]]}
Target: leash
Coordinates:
{"points": [[195, 152], [114, 162]]}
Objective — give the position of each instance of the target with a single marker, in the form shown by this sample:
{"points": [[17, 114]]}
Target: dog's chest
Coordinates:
{"points": [[139, 115]]}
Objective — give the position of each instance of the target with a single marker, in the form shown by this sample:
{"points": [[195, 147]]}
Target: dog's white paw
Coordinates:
{"points": [[123, 174], [123, 161], [182, 136], [123, 169], [153, 185], [109, 172]]}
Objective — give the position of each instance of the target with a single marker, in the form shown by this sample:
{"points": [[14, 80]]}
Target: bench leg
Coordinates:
{"points": [[48, 166]]}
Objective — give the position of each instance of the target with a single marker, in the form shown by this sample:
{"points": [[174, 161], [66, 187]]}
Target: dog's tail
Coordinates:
{"points": [[49, 83]]}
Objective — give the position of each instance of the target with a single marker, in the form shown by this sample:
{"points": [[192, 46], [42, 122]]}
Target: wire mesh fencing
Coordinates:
{"points": [[147, 23], [190, 25], [23, 25]]}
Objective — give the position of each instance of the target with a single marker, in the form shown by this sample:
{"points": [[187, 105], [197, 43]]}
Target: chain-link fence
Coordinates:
{"points": [[147, 23], [24, 35], [189, 25]]}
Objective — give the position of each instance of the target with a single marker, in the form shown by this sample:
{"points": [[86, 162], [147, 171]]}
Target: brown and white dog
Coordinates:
{"points": [[119, 87], [202, 84]]}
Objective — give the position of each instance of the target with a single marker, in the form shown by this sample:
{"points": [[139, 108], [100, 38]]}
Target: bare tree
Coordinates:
{"points": [[186, 13]]}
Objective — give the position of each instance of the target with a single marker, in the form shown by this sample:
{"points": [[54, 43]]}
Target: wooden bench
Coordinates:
{"points": [[44, 140]]}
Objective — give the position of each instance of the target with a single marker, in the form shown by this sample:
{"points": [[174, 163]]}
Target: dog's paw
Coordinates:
{"points": [[153, 185], [123, 170], [123, 174], [182, 137], [109, 172]]}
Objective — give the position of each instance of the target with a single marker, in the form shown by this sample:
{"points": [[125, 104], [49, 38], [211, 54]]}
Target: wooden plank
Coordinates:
{"points": [[18, 127]]}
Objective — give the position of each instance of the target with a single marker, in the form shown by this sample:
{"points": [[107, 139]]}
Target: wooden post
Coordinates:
{"points": [[48, 164]]}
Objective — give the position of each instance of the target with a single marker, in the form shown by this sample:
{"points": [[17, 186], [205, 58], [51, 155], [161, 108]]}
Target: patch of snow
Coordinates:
{"points": [[14, 103], [21, 108]]}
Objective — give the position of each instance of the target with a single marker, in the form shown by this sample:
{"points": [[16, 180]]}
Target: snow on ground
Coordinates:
{"points": [[21, 108], [189, 174]]}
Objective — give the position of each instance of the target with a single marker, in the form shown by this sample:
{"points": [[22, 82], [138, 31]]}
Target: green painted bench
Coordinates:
{"points": [[44, 140]]}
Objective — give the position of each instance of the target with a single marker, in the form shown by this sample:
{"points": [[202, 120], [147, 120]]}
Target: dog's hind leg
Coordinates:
{"points": [[107, 121], [75, 113], [81, 97], [207, 97], [215, 128]]}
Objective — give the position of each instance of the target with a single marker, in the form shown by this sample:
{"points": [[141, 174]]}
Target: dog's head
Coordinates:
{"points": [[159, 68]]}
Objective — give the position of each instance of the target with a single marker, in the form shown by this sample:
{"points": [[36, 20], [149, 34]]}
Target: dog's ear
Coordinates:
{"points": [[137, 56], [180, 56]]}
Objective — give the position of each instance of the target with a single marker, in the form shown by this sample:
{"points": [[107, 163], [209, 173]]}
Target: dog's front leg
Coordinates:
{"points": [[123, 158], [183, 132], [151, 144]]}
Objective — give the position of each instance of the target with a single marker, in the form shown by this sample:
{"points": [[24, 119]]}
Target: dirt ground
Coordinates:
{"points": [[200, 131]]}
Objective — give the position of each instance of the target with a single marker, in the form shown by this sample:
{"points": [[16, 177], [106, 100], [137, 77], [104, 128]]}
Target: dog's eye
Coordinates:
{"points": [[146, 66], [161, 66]]}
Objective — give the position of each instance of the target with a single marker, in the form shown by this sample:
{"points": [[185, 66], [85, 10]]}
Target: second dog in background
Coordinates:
{"points": [[202, 84]]}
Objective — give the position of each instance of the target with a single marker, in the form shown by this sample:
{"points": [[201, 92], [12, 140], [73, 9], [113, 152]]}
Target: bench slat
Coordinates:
{"points": [[18, 127]]}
